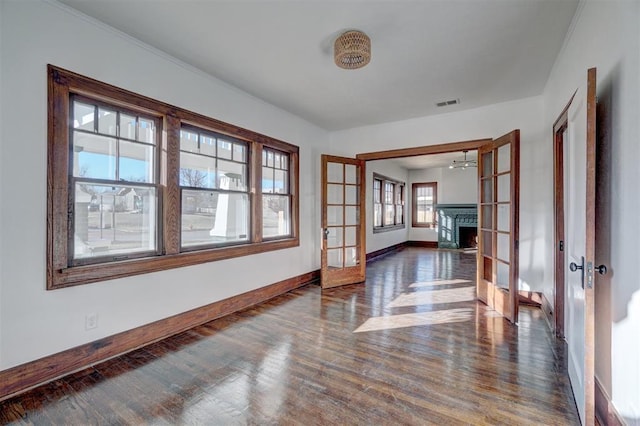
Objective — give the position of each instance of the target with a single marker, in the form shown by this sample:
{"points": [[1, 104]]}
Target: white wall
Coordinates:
{"points": [[1, 162], [385, 239], [455, 186], [35, 322], [536, 203], [606, 35]]}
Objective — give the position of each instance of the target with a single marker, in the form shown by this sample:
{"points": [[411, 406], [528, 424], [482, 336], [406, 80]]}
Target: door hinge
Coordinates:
{"points": [[561, 245]]}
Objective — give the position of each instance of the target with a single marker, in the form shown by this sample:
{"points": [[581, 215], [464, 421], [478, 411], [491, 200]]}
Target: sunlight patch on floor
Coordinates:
{"points": [[437, 282], [453, 295], [416, 319]]}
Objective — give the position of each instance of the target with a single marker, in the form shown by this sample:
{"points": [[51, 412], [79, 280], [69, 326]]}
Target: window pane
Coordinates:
{"points": [[276, 216], [239, 153], [351, 215], [351, 194], [503, 246], [334, 258], [188, 141], [399, 196], [94, 156], [504, 217], [350, 235], [377, 215], [128, 126], [351, 257], [197, 171], [280, 182], [113, 221], [388, 193], [232, 175], [388, 214], [350, 173], [335, 237], [83, 116], [399, 215], [335, 193], [208, 145], [267, 179], [334, 215], [335, 172], [209, 217], [136, 162], [504, 187], [146, 131], [504, 158], [376, 191], [107, 121], [224, 149], [502, 275], [487, 164]]}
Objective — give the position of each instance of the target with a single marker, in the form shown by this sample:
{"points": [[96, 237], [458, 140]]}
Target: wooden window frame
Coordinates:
{"points": [[62, 84], [414, 206], [397, 186], [377, 201]]}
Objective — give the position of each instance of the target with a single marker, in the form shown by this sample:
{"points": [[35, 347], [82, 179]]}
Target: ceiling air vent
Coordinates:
{"points": [[447, 103]]}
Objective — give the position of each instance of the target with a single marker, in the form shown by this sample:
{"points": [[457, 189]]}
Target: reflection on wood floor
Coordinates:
{"points": [[410, 346]]}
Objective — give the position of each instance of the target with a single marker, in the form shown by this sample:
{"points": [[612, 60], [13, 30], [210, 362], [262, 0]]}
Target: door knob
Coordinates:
{"points": [[574, 267], [602, 269]]}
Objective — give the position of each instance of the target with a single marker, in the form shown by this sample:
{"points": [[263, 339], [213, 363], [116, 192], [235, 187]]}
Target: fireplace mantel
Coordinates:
{"points": [[452, 217]]}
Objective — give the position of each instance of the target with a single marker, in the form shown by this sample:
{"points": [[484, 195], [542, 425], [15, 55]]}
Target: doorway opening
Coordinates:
{"points": [[498, 224]]}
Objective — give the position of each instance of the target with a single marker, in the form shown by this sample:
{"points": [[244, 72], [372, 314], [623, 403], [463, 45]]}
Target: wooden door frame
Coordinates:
{"points": [[442, 148], [559, 126]]}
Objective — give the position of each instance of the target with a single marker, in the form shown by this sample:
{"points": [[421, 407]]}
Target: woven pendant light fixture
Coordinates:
{"points": [[352, 50]]}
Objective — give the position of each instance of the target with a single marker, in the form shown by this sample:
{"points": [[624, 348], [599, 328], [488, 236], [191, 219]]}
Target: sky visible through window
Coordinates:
{"points": [[100, 165]]}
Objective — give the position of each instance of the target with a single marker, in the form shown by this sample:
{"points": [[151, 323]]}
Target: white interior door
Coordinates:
{"points": [[579, 176]]}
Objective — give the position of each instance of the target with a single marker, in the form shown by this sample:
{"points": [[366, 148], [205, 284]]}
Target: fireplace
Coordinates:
{"points": [[457, 225]]}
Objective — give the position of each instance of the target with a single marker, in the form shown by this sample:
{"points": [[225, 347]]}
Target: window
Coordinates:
{"points": [[136, 185], [388, 203], [424, 199], [377, 203], [276, 196], [214, 188], [113, 182]]}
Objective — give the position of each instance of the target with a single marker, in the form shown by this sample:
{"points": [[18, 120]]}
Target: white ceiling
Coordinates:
{"points": [[423, 52]]}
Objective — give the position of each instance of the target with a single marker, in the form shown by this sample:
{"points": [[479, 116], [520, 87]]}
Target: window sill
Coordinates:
{"points": [[79, 275], [387, 228]]}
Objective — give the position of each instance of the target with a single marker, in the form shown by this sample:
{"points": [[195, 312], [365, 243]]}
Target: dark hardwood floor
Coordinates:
{"points": [[410, 346]]}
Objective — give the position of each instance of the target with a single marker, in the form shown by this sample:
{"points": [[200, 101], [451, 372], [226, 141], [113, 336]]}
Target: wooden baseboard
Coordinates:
{"points": [[386, 250], [606, 413], [26, 376], [426, 244], [547, 309], [531, 298], [401, 246]]}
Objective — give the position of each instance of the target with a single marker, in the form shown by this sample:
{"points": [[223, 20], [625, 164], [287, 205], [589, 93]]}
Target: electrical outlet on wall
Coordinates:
{"points": [[91, 321]]}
